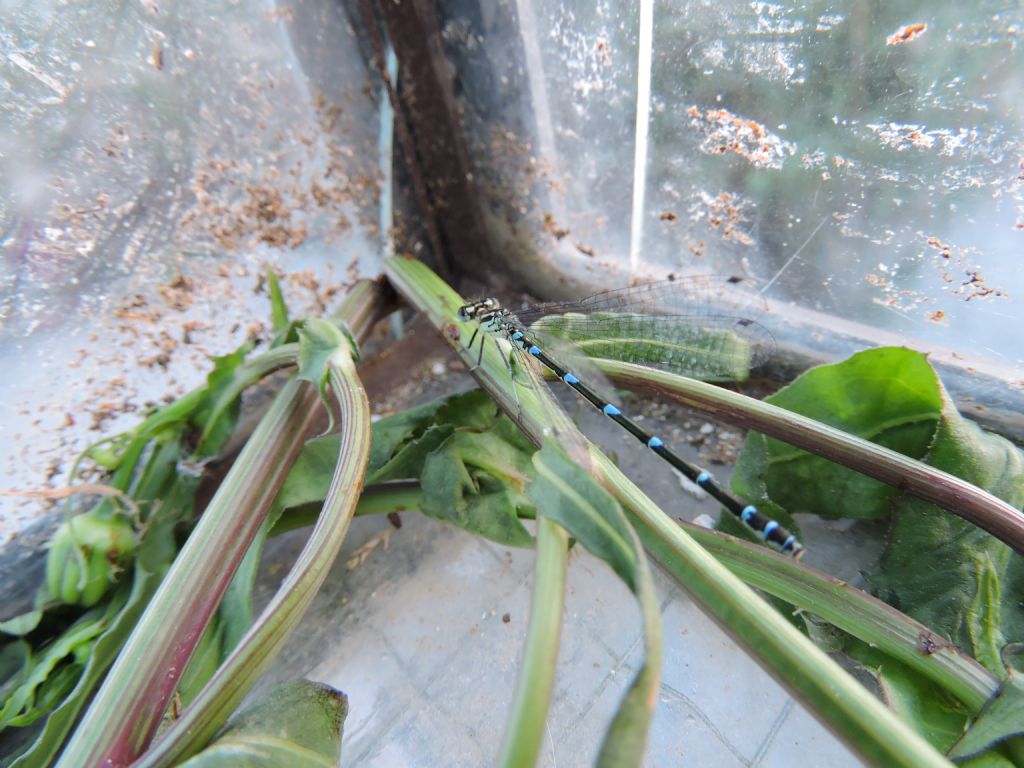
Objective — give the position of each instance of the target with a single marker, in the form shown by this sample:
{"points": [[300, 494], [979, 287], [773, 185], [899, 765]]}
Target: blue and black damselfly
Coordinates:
{"points": [[666, 325]]}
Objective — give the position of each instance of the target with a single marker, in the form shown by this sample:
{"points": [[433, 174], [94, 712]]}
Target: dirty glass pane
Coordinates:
{"points": [[865, 157], [154, 158], [861, 159]]}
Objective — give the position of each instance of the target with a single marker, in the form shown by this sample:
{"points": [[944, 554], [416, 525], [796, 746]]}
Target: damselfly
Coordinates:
{"points": [[667, 325]]}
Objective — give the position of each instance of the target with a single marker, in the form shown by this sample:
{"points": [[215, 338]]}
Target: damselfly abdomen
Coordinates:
{"points": [[666, 325]]}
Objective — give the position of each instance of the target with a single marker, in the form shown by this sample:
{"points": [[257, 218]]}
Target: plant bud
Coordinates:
{"points": [[104, 544]]}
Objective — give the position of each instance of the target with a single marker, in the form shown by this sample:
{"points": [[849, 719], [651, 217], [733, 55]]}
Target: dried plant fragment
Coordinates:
{"points": [[905, 34]]}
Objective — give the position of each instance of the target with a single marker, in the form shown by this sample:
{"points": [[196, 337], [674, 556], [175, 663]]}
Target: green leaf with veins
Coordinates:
{"points": [[889, 396], [476, 480], [961, 582]]}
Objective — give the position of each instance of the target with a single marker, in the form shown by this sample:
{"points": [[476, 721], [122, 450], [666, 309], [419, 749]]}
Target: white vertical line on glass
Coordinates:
{"points": [[386, 163], [643, 114], [530, 33], [385, 156]]}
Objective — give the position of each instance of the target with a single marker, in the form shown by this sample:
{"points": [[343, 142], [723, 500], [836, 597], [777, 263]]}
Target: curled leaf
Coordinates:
{"points": [[297, 724]]}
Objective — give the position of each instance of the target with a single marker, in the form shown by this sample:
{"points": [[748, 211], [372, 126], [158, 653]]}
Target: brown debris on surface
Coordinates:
{"points": [[906, 33]]}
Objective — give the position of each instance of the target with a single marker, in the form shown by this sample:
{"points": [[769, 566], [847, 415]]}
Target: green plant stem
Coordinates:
{"points": [[844, 705], [851, 712], [524, 730], [247, 374], [257, 648], [127, 709], [940, 488], [125, 712], [836, 602], [851, 610]]}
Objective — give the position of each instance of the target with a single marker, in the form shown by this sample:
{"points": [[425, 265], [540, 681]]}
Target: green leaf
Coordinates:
{"points": [[13, 656], [21, 625], [296, 724], [319, 340], [565, 493], [939, 717], [472, 410], [990, 760], [20, 703], [945, 572], [310, 476], [890, 396], [217, 414], [474, 480], [392, 431], [1013, 584], [235, 612], [278, 308], [1000, 720], [473, 461], [408, 463]]}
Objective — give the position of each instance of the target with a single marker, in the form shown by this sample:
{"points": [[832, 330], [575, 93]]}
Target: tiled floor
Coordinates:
{"points": [[415, 636]]}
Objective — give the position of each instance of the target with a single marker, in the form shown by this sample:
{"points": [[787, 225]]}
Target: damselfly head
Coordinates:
{"points": [[474, 309]]}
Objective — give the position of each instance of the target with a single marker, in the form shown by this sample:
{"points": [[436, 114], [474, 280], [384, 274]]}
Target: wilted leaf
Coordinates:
{"points": [[890, 396], [319, 340], [297, 724], [1002, 718], [475, 480]]}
